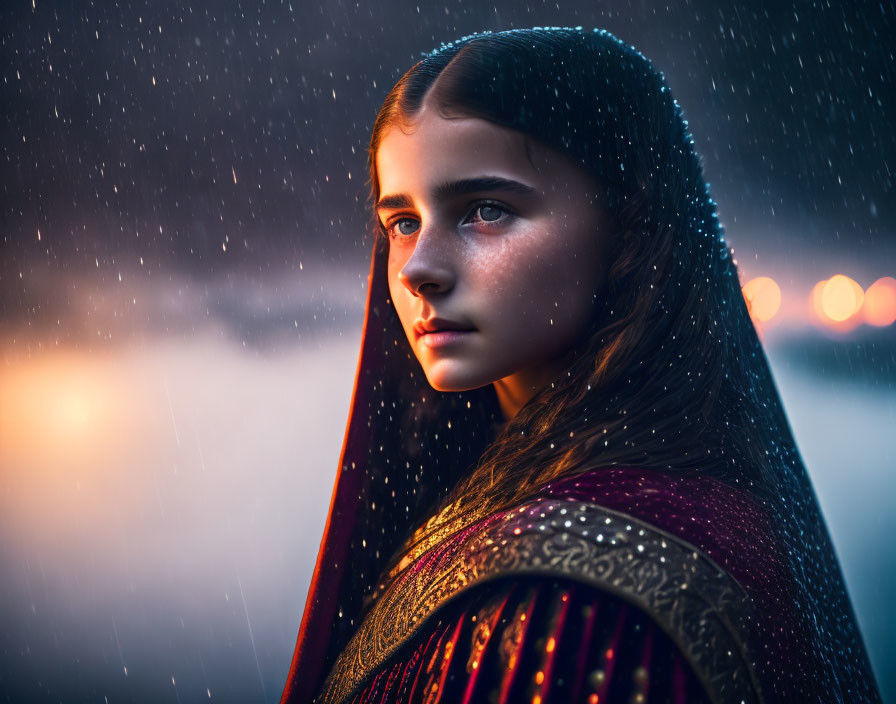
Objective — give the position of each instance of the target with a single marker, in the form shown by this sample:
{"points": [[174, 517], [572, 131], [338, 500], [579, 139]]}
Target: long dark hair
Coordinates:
{"points": [[672, 375]]}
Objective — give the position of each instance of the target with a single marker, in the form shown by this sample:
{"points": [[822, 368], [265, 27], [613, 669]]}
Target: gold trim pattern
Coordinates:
{"points": [[701, 607]]}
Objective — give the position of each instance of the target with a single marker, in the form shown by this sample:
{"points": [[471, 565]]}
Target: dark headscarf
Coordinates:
{"points": [[708, 404]]}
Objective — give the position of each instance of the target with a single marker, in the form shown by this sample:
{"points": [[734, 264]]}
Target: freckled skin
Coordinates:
{"points": [[526, 272]]}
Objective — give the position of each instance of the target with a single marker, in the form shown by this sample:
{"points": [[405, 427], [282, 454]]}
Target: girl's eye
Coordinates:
{"points": [[488, 213], [401, 231]]}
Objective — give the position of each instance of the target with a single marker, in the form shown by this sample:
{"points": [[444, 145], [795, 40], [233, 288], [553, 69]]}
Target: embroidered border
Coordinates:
{"points": [[702, 608]]}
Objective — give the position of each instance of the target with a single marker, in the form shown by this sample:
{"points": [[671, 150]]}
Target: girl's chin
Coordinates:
{"points": [[456, 379]]}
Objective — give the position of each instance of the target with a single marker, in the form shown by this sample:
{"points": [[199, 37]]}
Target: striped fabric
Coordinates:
{"points": [[536, 640]]}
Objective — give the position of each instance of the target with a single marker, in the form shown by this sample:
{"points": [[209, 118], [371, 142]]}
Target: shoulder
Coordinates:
{"points": [[726, 523], [702, 609]]}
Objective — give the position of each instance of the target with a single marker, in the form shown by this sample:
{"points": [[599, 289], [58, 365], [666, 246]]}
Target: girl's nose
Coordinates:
{"points": [[429, 269]]}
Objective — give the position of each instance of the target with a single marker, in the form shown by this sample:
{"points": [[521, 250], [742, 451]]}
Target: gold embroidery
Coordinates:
{"points": [[703, 609], [483, 631], [513, 636]]}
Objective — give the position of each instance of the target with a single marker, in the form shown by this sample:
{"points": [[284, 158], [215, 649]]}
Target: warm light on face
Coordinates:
{"points": [[503, 240], [763, 297], [879, 305]]}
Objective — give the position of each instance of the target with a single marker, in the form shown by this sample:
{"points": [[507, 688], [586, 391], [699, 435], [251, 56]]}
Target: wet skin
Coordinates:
{"points": [[522, 265]]}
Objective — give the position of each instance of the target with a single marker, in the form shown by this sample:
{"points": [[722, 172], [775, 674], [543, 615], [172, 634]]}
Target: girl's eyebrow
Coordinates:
{"points": [[457, 188]]}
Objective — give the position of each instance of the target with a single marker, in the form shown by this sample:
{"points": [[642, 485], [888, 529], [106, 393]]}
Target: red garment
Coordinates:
{"points": [[536, 640]]}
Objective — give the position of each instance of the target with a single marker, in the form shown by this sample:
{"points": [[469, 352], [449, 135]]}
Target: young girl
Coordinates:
{"points": [[567, 475]]}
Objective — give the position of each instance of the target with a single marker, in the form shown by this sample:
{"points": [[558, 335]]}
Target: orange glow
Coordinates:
{"points": [[841, 298], [551, 644], [56, 411], [834, 303], [539, 677], [71, 425], [763, 297], [815, 300], [609, 653], [879, 305], [593, 699], [536, 699]]}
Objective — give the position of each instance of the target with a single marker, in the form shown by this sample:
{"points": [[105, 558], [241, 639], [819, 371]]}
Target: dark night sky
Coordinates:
{"points": [[125, 124]]}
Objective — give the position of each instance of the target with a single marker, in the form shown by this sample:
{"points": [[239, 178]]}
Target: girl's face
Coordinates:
{"points": [[496, 262]]}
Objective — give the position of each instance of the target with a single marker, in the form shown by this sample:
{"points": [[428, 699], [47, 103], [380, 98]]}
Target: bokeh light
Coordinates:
{"points": [[879, 305], [841, 297], [835, 302], [56, 411], [763, 297]]}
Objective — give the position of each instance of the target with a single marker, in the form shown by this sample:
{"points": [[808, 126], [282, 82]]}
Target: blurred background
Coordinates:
{"points": [[183, 261]]}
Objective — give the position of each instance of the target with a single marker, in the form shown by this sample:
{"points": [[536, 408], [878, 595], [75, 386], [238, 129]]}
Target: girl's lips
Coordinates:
{"points": [[442, 338]]}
